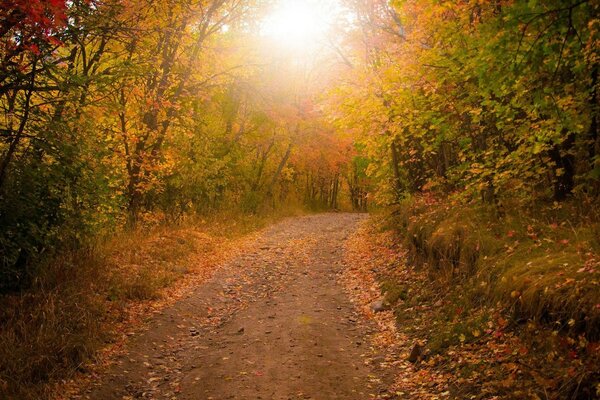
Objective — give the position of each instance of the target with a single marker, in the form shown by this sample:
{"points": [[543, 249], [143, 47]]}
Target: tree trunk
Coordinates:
{"points": [[396, 168], [564, 171], [280, 167], [12, 148]]}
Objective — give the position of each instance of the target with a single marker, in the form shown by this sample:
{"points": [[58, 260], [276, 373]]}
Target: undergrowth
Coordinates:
{"points": [[521, 287]]}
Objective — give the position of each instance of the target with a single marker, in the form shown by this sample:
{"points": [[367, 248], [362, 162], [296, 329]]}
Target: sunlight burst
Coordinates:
{"points": [[299, 24]]}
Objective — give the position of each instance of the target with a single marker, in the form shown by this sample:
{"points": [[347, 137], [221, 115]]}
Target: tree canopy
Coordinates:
{"points": [[119, 112]]}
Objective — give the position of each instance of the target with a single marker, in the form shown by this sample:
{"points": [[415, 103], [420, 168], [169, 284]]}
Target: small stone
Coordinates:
{"points": [[378, 306], [416, 353]]}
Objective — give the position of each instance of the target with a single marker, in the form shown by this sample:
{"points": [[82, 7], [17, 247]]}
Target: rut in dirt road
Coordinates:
{"points": [[274, 323]]}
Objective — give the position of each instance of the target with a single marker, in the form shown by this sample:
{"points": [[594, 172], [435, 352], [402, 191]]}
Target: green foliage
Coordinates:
{"points": [[251, 202], [483, 100]]}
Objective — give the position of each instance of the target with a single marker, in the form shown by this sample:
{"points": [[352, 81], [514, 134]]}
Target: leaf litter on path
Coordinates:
{"points": [[272, 322]]}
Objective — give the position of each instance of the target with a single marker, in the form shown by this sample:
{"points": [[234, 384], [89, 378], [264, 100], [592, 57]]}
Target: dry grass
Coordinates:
{"points": [[545, 267], [53, 327], [507, 306]]}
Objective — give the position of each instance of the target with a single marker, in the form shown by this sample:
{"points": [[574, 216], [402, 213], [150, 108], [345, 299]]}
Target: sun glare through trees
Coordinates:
{"points": [[298, 24]]}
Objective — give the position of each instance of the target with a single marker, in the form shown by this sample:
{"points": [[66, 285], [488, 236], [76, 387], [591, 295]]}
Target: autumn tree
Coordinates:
{"points": [[492, 97]]}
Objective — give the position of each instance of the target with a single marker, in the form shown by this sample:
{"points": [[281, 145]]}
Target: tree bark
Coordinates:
{"points": [[12, 148], [280, 167], [396, 168], [565, 162]]}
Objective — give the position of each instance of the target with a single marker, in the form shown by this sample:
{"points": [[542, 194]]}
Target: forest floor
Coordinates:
{"points": [[277, 321], [327, 307]]}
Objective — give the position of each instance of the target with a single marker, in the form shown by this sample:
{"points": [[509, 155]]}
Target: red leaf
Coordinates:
{"points": [[34, 48]]}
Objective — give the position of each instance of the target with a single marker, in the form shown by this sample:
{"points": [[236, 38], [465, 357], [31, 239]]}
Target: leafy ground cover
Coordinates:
{"points": [[465, 337]]}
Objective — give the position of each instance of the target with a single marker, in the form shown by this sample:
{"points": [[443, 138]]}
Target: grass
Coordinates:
{"points": [[506, 306], [543, 267], [55, 327]]}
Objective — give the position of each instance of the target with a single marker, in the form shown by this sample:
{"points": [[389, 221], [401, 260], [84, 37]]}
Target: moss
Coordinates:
{"points": [[393, 291]]}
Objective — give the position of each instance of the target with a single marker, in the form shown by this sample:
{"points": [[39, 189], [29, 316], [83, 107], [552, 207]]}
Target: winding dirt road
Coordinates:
{"points": [[273, 323]]}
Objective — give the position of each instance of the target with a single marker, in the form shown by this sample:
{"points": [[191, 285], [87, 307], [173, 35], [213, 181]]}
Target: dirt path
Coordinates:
{"points": [[274, 323]]}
